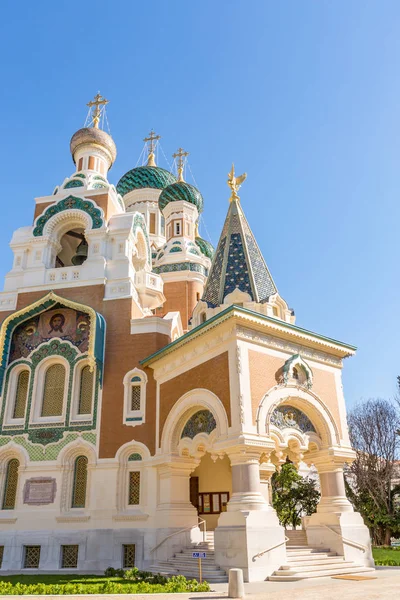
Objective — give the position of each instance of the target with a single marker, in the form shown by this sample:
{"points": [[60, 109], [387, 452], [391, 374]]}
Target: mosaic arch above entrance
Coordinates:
{"points": [[198, 412]]}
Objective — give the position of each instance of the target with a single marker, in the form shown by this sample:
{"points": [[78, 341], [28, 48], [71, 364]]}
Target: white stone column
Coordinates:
{"points": [[246, 486], [335, 525], [266, 471], [248, 535]]}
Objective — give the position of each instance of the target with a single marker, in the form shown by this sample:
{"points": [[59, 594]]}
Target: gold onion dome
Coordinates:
{"points": [[92, 136]]}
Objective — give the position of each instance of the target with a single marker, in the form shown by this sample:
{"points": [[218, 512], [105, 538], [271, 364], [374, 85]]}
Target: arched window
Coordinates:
{"points": [[135, 397], [11, 484], [53, 392], [21, 395], [85, 391], [80, 483]]}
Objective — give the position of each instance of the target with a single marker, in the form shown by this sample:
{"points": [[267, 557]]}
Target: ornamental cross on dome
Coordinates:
{"points": [[235, 183], [152, 137], [180, 154], [97, 102]]}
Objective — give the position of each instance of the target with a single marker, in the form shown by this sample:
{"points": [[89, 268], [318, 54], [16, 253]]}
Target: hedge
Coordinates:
{"points": [[173, 585]]}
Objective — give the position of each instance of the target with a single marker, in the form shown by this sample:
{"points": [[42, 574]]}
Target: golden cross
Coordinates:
{"points": [[97, 102], [152, 137], [180, 155]]}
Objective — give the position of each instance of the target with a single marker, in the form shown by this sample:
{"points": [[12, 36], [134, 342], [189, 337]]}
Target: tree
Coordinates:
{"points": [[293, 495], [374, 427]]}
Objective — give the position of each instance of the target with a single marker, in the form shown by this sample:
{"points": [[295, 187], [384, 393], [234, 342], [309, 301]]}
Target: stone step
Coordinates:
{"points": [[295, 576], [315, 561], [309, 568], [218, 576], [309, 551], [190, 564]]}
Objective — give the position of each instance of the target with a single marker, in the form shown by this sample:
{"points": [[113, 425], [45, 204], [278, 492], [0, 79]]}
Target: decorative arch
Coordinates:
{"points": [[132, 476], [189, 404], [139, 227], [70, 203], [67, 461], [297, 362], [96, 333], [135, 384], [306, 401]]}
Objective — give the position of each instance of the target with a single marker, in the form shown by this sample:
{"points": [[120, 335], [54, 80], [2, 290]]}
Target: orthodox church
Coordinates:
{"points": [[150, 387]]}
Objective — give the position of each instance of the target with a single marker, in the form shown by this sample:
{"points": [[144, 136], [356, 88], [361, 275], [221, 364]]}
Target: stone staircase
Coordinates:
{"points": [[182, 563], [305, 562]]}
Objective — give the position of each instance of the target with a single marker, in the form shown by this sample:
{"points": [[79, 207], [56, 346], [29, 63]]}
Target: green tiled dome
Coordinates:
{"points": [[205, 247], [181, 191], [144, 177]]}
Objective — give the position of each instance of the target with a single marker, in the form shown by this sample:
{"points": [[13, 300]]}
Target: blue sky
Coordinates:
{"points": [[304, 96]]}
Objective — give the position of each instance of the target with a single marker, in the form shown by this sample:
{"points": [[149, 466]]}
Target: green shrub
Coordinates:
{"points": [[140, 582]]}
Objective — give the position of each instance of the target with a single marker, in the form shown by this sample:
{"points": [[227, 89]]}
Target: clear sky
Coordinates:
{"points": [[303, 95]]}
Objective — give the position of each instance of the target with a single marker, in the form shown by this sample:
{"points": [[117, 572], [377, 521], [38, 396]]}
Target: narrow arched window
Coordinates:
{"points": [[85, 391], [53, 392], [80, 482], [21, 395], [10, 488]]}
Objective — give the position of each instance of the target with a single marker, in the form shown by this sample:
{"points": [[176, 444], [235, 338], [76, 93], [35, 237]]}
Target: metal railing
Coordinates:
{"points": [[201, 522], [345, 540], [270, 549]]}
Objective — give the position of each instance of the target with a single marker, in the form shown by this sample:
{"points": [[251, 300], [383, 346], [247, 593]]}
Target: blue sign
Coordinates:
{"points": [[199, 555]]}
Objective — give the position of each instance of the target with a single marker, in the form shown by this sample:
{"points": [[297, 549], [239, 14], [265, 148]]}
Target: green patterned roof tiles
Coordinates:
{"points": [[144, 177], [205, 247], [181, 191]]}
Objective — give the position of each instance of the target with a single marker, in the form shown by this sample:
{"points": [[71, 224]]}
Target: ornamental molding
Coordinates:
{"points": [[197, 354], [127, 517], [73, 519], [285, 346], [70, 205]]}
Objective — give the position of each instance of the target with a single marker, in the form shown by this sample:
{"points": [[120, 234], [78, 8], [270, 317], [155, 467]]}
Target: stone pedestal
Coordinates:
{"points": [[250, 525], [335, 525]]}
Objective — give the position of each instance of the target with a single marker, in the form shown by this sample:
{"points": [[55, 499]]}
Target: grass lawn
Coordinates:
{"points": [[385, 555]]}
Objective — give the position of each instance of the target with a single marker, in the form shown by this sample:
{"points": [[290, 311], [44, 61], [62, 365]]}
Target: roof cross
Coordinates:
{"points": [[180, 154], [152, 137], [97, 102]]}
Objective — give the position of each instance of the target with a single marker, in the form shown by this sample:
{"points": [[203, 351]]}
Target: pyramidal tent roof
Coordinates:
{"points": [[238, 263]]}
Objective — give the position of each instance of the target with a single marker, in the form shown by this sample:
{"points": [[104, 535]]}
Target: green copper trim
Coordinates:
{"points": [[146, 361], [69, 203]]}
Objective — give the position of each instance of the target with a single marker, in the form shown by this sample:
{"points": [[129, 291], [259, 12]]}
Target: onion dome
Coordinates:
{"points": [[205, 247], [92, 136], [145, 177], [181, 191]]}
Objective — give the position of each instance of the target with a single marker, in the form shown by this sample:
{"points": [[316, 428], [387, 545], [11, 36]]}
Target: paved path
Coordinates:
{"points": [[386, 586]]}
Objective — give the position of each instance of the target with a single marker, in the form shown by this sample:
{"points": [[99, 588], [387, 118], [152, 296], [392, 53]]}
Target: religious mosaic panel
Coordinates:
{"points": [[201, 422], [289, 416], [64, 323]]}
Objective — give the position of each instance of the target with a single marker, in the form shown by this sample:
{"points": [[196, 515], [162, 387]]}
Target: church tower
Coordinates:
{"points": [[185, 259], [239, 274]]}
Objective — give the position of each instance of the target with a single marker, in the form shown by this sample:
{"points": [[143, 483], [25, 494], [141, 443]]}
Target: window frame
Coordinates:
{"points": [[6, 483], [38, 389], [134, 417], [76, 388], [12, 394]]}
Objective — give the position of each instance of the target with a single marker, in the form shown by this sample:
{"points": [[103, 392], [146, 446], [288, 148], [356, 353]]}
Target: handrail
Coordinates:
{"points": [[269, 549], [201, 522], [345, 540]]}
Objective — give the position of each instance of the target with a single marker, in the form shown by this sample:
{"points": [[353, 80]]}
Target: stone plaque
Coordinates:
{"points": [[40, 490]]}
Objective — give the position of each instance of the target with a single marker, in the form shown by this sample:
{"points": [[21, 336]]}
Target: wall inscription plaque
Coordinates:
{"points": [[40, 490]]}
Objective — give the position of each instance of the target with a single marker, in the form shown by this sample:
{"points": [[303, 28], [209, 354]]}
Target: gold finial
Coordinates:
{"points": [[180, 155], [152, 137], [97, 102], [196, 230], [235, 183]]}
